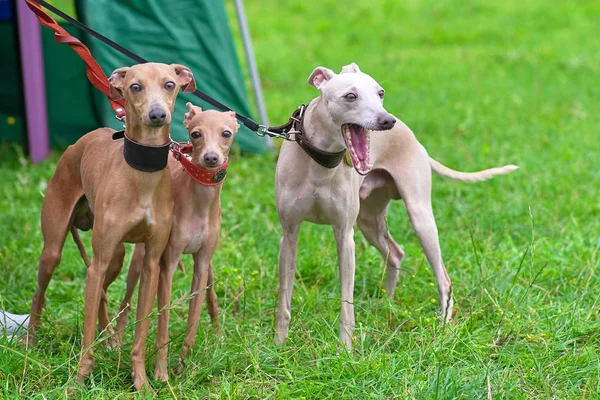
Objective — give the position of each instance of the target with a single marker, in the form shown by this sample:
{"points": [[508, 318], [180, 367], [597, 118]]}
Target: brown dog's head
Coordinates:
{"points": [[150, 90], [211, 133]]}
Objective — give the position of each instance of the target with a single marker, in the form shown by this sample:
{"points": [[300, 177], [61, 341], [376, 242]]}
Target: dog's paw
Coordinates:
{"points": [[161, 373], [279, 339], [180, 367], [140, 382], [112, 343]]}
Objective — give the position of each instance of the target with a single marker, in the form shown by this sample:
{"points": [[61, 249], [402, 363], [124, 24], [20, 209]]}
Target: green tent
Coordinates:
{"points": [[192, 33]]}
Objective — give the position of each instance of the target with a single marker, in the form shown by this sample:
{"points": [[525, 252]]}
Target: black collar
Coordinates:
{"points": [[142, 157], [295, 126]]}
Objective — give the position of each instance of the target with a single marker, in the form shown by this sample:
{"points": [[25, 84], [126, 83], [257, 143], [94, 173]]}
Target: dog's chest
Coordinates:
{"points": [[143, 225], [195, 234], [328, 205]]}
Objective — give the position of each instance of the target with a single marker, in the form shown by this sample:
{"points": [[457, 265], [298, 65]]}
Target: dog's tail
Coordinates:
{"points": [[80, 246], [469, 176]]}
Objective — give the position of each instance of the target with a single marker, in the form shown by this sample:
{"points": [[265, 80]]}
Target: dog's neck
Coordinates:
{"points": [[319, 129], [145, 135], [203, 197]]}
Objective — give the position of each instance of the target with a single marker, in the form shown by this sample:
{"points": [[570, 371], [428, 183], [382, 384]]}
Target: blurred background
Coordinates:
{"points": [[428, 55], [196, 34]]}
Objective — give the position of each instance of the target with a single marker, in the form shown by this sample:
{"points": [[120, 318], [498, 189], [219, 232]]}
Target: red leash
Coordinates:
{"points": [[204, 176], [93, 70]]}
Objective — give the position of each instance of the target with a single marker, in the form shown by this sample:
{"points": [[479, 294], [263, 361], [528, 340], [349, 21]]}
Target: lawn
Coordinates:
{"points": [[481, 84]]}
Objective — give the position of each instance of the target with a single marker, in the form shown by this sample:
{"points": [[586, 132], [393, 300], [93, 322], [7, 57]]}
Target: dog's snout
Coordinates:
{"points": [[386, 121], [157, 115], [211, 158]]}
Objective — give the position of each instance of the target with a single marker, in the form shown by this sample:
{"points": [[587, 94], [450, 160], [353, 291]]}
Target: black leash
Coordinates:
{"points": [[260, 130]]}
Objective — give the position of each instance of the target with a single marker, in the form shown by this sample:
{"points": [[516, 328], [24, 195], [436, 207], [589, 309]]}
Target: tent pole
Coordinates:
{"points": [[254, 77], [32, 64]]}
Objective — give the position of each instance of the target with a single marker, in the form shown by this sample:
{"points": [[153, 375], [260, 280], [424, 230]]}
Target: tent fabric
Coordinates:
{"points": [[71, 114], [193, 33]]}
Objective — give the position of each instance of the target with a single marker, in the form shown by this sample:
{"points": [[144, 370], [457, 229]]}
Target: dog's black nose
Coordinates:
{"points": [[211, 158], [387, 121], [157, 115]]}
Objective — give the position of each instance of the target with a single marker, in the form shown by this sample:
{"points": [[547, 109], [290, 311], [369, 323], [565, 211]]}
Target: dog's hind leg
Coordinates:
{"points": [[288, 250], [372, 222], [418, 206], [59, 201], [411, 177]]}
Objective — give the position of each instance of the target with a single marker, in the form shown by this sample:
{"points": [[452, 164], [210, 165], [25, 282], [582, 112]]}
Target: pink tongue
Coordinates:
{"points": [[359, 142]]}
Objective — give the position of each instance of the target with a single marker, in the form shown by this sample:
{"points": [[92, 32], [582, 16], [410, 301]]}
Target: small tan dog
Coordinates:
{"points": [[195, 229], [125, 194]]}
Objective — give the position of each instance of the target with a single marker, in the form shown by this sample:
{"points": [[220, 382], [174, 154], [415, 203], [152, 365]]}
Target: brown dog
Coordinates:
{"points": [[195, 230], [94, 185]]}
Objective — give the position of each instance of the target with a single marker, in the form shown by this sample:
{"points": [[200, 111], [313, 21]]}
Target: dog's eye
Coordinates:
{"points": [[196, 135], [350, 96], [170, 85], [226, 134], [135, 87], [381, 93]]}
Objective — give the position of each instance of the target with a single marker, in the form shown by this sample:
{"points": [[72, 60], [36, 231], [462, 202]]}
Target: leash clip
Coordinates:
{"points": [[176, 149], [263, 131], [120, 115]]}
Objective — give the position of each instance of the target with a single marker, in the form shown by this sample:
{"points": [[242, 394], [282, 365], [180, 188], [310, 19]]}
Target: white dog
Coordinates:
{"points": [[339, 120]]}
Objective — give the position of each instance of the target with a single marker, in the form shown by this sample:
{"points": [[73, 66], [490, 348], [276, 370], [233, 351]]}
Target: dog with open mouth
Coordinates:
{"points": [[342, 119], [349, 116]]}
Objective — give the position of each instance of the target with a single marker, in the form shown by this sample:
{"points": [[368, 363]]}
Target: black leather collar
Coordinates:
{"points": [[142, 157], [323, 158]]}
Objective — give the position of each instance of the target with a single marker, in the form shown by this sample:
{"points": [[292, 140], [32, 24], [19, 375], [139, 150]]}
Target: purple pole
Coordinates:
{"points": [[32, 66]]}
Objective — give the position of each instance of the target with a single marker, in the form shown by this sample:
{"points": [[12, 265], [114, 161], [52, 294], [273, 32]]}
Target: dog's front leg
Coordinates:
{"points": [[198, 292], [346, 262], [146, 296], [288, 250], [104, 323], [133, 277], [168, 265], [104, 247]]}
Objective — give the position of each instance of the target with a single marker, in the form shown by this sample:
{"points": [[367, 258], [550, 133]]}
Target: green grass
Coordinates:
{"points": [[481, 84]]}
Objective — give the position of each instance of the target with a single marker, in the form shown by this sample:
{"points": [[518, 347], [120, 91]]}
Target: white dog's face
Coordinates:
{"points": [[354, 101]]}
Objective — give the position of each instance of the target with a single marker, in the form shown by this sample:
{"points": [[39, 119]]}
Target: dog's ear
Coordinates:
{"points": [[320, 76], [233, 116], [116, 83], [350, 68], [185, 78], [193, 111]]}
